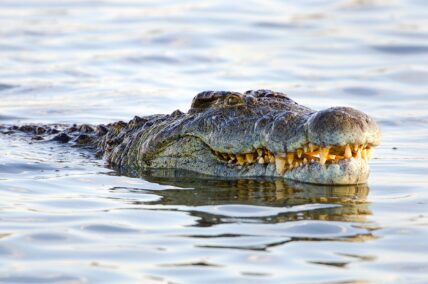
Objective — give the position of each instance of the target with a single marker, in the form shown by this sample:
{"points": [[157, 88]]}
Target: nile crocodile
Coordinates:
{"points": [[229, 134]]}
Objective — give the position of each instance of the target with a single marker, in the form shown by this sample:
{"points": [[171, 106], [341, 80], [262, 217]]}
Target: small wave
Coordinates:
{"points": [[402, 49], [6, 86]]}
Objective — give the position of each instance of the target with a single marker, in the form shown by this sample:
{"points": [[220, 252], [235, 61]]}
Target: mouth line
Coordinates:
{"points": [[308, 154]]}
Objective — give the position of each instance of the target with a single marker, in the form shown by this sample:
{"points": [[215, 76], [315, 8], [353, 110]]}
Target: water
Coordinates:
{"points": [[65, 218]]}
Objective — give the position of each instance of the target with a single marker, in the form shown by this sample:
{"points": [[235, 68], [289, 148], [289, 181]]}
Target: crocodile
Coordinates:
{"points": [[258, 133]]}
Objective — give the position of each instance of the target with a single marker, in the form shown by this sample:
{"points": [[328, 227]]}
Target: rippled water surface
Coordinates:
{"points": [[66, 218]]}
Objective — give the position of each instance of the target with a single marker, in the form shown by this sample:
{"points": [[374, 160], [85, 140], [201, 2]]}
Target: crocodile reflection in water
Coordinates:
{"points": [[337, 203]]}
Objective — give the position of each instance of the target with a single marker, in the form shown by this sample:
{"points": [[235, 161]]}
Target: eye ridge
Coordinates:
{"points": [[234, 100]]}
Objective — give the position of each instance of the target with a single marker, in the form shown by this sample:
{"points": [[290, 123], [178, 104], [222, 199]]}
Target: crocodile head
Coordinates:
{"points": [[259, 133]]}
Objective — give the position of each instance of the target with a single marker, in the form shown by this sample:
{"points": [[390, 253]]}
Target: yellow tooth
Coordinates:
{"points": [[355, 147], [296, 164], [311, 147], [358, 154], [305, 161], [370, 153], [290, 158], [280, 165], [364, 154], [299, 152], [250, 158], [282, 155], [261, 160], [305, 148], [240, 159], [348, 153], [332, 157], [270, 157], [260, 152], [323, 155]]}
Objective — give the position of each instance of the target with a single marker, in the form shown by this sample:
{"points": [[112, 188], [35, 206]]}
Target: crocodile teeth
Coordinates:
{"points": [[358, 156], [290, 158], [282, 155], [287, 161], [348, 153], [240, 159], [370, 153], [250, 157], [364, 154], [266, 157], [323, 155], [280, 165]]}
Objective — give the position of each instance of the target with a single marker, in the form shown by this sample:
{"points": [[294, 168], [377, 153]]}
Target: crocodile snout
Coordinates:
{"points": [[341, 126]]}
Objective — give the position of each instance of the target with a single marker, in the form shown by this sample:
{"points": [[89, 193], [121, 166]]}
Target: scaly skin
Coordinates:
{"points": [[259, 133]]}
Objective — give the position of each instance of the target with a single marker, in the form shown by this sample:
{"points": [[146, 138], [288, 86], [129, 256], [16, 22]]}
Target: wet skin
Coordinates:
{"points": [[256, 134]]}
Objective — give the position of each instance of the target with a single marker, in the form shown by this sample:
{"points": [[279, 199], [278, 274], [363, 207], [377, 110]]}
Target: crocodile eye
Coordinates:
{"points": [[233, 100]]}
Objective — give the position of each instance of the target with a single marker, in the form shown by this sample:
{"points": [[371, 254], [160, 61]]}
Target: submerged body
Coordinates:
{"points": [[229, 134]]}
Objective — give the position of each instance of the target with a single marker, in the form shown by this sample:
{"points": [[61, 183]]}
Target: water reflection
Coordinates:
{"points": [[283, 201]]}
